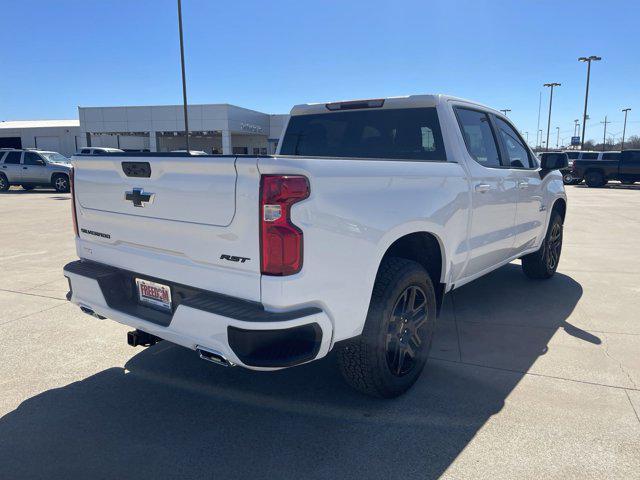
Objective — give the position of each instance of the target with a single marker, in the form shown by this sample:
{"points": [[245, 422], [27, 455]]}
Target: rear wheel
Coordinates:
{"points": [[387, 359], [594, 179], [544, 263], [4, 183], [60, 183]]}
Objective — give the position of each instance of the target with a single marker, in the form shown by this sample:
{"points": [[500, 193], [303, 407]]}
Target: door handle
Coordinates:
{"points": [[24, 168], [522, 184], [483, 187]]}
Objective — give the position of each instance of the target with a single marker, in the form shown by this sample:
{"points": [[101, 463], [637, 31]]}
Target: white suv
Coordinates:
{"points": [[99, 150]]}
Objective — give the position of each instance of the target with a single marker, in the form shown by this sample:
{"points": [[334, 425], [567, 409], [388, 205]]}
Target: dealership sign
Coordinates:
{"points": [[247, 127], [575, 140]]}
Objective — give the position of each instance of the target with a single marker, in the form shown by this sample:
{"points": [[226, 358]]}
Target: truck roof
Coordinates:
{"points": [[407, 101]]}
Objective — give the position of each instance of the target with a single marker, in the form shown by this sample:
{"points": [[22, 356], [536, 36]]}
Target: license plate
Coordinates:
{"points": [[154, 294]]}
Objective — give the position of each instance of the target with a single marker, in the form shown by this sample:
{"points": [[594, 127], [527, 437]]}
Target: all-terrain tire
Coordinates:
{"points": [[543, 263], [368, 363]]}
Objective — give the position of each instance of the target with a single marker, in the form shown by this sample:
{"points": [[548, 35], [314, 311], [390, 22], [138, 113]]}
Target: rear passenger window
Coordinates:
{"points": [[573, 155], [408, 133], [516, 150], [478, 136], [85, 151], [13, 158], [610, 156], [589, 156]]}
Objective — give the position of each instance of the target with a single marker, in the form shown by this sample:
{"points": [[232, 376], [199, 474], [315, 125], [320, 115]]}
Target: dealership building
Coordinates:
{"points": [[214, 128], [56, 135]]}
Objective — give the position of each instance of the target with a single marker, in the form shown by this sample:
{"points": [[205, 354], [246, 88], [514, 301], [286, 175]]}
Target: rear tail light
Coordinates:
{"points": [[74, 215], [280, 240]]}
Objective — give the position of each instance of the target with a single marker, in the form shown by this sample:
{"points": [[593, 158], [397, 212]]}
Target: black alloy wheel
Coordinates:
{"points": [[406, 330]]}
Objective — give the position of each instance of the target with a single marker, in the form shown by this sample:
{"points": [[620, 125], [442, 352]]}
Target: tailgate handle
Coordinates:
{"points": [[136, 169]]}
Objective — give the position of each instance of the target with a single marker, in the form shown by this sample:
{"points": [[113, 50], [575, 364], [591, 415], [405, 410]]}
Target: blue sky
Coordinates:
{"points": [[270, 55]]}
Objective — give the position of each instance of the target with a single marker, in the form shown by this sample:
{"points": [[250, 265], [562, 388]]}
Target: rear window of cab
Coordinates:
{"points": [[402, 134]]}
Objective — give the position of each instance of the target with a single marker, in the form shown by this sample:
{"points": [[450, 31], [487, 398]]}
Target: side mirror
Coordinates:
{"points": [[42, 162], [554, 161]]}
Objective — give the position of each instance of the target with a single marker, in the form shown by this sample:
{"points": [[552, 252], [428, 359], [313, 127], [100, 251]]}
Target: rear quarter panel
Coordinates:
{"points": [[356, 210]]}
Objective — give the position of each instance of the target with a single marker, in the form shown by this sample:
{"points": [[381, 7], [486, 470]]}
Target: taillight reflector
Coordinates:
{"points": [[281, 241]]}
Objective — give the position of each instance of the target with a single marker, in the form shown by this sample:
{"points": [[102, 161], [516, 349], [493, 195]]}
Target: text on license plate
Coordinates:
{"points": [[154, 294]]}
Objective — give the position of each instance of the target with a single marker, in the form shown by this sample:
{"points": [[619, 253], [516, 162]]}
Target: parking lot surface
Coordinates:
{"points": [[527, 379]]}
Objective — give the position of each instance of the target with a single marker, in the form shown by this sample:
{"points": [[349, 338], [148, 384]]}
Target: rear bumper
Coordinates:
{"points": [[243, 331]]}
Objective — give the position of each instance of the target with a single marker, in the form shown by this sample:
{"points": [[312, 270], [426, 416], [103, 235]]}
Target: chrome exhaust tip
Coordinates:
{"points": [[213, 357]]}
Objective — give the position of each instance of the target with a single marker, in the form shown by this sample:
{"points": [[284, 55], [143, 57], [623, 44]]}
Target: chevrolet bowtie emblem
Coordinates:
{"points": [[139, 197]]}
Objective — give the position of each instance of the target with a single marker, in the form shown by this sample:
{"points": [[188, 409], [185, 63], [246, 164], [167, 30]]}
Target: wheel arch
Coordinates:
{"points": [[599, 170], [560, 206], [57, 174], [426, 249]]}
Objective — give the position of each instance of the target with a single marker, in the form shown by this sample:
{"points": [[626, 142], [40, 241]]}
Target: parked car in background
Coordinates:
{"points": [[567, 173], [348, 238], [99, 150], [34, 168], [569, 177], [623, 166]]}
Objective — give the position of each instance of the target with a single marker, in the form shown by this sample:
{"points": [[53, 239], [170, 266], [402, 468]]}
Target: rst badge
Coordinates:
{"points": [[233, 258]]}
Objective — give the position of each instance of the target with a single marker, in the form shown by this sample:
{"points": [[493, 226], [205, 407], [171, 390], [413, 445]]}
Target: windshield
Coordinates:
{"points": [[54, 157]]}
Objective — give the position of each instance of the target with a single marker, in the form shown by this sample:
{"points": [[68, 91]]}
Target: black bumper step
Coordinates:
{"points": [[119, 290]]}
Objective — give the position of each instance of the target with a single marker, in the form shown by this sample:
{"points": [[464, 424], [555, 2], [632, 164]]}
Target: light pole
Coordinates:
{"points": [[554, 84], [624, 129], [538, 127], [527, 135], [590, 59], [576, 126], [540, 138], [184, 81], [505, 111], [558, 137]]}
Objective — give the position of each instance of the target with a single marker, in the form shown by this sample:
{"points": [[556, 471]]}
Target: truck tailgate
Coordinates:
{"points": [[185, 189], [188, 219]]}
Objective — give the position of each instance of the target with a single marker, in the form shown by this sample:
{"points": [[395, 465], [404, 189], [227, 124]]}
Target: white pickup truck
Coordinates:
{"points": [[348, 238]]}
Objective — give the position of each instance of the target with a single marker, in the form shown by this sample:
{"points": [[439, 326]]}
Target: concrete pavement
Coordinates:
{"points": [[527, 379]]}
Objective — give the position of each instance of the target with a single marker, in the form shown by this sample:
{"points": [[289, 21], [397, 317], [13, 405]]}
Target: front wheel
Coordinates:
{"points": [[4, 183], [61, 183], [388, 357], [544, 263]]}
